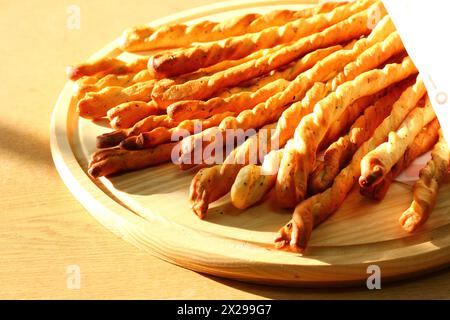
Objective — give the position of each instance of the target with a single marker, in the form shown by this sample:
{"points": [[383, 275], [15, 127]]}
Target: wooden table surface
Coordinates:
{"points": [[43, 229]]}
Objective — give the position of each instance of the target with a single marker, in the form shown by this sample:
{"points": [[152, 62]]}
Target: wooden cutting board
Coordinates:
{"points": [[149, 208]]}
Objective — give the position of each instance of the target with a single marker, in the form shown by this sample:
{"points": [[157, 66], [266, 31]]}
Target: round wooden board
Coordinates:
{"points": [[149, 208]]}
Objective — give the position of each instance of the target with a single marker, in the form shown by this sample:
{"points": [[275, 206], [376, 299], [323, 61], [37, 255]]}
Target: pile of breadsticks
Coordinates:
{"points": [[330, 93]]}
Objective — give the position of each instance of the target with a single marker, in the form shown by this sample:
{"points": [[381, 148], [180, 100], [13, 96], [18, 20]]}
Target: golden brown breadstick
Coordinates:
{"points": [[314, 210], [346, 30], [126, 115], [162, 134], [259, 92], [299, 161], [427, 187], [111, 139], [423, 142], [106, 65], [235, 103], [269, 111], [210, 184], [147, 38], [96, 104], [339, 153], [377, 163], [204, 55], [110, 80], [369, 59], [110, 161]]}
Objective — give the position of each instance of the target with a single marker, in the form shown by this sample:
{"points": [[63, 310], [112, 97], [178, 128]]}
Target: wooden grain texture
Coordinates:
{"points": [[43, 228]]}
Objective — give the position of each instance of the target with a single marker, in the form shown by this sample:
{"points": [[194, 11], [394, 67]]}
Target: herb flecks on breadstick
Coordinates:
{"points": [[422, 143], [313, 211], [426, 189], [299, 161], [376, 164], [204, 55]]}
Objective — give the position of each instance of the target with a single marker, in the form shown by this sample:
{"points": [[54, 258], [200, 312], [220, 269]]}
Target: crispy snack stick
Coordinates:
{"points": [[314, 210], [80, 88], [242, 155], [167, 85], [126, 115], [339, 153], [147, 38], [259, 92], [271, 110], [369, 59], [147, 124], [209, 184], [253, 182], [114, 160], [203, 88], [106, 65], [162, 134], [204, 55], [96, 104], [423, 142], [427, 187], [379, 162], [299, 161], [347, 118], [235, 103]]}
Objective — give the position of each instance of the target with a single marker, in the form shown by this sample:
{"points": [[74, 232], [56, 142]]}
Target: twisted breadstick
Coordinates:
{"points": [[339, 153], [379, 162], [427, 187], [314, 210], [162, 134], [269, 111], [204, 55], [210, 184], [298, 161], [114, 160], [149, 123], [147, 38], [106, 65], [110, 80], [346, 30], [369, 59], [126, 115], [259, 92], [422, 143], [96, 104]]}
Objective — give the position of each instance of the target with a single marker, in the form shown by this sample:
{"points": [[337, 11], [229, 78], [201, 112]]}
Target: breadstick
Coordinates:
{"points": [[147, 38], [210, 184], [369, 59], [126, 115], [106, 65], [162, 134], [270, 110], [259, 92], [204, 55], [253, 182], [379, 162], [423, 142], [149, 123], [427, 187], [298, 161], [96, 104], [314, 210], [110, 80], [339, 153], [110, 161], [346, 30]]}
